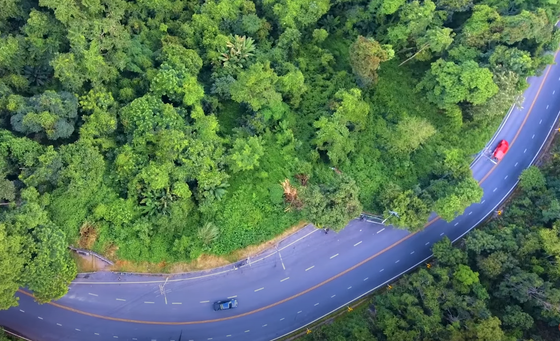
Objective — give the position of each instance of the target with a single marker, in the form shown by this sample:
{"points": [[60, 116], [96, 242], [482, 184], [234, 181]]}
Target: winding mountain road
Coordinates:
{"points": [[303, 280]]}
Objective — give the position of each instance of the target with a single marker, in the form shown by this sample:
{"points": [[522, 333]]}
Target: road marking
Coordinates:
{"points": [[506, 177], [309, 268], [148, 302], [40, 318], [533, 136], [205, 301], [78, 330], [316, 304], [176, 302], [398, 260], [381, 270], [365, 279], [456, 224], [383, 229], [58, 324], [412, 253], [470, 212], [553, 92], [89, 293], [350, 287], [98, 335], [234, 296], [115, 336], [333, 296], [22, 311], [441, 234], [209, 338], [516, 164], [299, 312], [282, 319], [285, 279], [334, 256], [540, 121], [120, 299], [427, 243], [228, 335], [247, 331], [482, 202], [259, 289], [264, 325], [525, 151], [495, 189], [358, 243]]}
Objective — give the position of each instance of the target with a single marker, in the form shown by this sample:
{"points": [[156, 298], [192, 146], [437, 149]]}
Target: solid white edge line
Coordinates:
{"points": [[425, 259]]}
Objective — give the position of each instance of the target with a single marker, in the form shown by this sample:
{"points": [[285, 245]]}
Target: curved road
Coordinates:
{"points": [[289, 288]]}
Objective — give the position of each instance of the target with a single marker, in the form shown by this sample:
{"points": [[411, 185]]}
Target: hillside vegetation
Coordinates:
{"points": [[160, 130]]}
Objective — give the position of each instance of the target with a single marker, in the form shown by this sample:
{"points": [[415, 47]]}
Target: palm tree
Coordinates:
{"points": [[238, 52]]}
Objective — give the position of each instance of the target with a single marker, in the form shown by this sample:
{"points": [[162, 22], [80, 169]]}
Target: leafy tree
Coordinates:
{"points": [[297, 14], [245, 153], [366, 55], [52, 113], [256, 87], [532, 179], [448, 83], [334, 137], [409, 134]]}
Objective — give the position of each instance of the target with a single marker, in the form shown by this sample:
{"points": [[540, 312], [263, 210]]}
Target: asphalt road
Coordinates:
{"points": [[306, 279]]}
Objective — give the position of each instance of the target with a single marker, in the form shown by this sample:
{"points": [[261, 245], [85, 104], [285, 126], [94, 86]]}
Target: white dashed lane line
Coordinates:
{"points": [[525, 151], [334, 256], [78, 330], [381, 270], [204, 301], [533, 136], [282, 319], [40, 318], [58, 324], [176, 302], [441, 234], [148, 302], [89, 293], [365, 279], [285, 279], [470, 212], [333, 296], [264, 325], [259, 289], [398, 260], [228, 335], [120, 299], [412, 253], [115, 337], [316, 304], [234, 296], [383, 229], [98, 335], [516, 164], [427, 243], [506, 177], [553, 92], [482, 202], [358, 243], [247, 331], [299, 312], [309, 268], [349, 288], [456, 224], [541, 120], [23, 311]]}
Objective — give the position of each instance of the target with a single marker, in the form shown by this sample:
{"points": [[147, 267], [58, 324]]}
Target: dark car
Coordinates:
{"points": [[225, 305]]}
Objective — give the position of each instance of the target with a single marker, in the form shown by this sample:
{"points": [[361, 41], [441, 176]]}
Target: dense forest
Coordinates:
{"points": [[500, 283], [160, 130]]}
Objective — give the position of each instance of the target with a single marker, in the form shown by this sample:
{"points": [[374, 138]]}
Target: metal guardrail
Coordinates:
{"points": [[90, 253]]}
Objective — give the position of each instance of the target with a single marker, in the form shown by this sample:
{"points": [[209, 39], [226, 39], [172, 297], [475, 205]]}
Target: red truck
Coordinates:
{"points": [[500, 151]]}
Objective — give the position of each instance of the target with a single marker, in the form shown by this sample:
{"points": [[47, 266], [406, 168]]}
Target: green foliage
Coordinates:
{"points": [[147, 120]]}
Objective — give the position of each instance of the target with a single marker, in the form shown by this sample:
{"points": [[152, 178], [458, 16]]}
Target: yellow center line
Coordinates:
{"points": [[311, 288]]}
